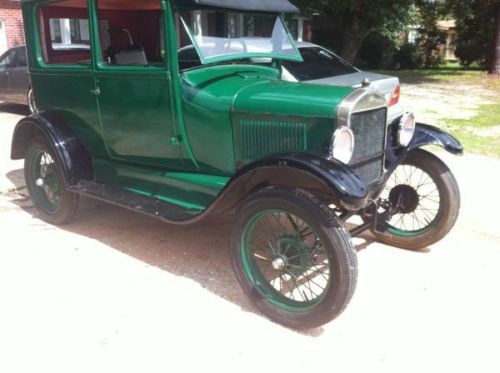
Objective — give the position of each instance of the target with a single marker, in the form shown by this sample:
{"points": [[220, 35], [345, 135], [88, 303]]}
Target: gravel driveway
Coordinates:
{"points": [[120, 292]]}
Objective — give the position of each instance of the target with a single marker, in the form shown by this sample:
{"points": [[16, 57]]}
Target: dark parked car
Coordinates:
{"points": [[15, 84], [321, 66]]}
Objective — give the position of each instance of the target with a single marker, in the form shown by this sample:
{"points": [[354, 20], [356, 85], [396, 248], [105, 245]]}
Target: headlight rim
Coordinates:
{"points": [[401, 128], [335, 138]]}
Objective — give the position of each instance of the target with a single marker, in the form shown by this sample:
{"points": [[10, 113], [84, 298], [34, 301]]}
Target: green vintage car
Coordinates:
{"points": [[121, 121]]}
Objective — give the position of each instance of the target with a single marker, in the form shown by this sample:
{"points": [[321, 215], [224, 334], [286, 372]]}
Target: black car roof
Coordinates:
{"points": [[272, 6]]}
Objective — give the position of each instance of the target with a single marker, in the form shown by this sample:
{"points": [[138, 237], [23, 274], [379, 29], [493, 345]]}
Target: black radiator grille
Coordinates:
{"points": [[369, 128], [370, 170]]}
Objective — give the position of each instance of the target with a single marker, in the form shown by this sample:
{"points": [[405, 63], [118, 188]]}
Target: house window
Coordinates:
{"points": [[413, 35], [69, 33], [296, 27], [293, 27]]}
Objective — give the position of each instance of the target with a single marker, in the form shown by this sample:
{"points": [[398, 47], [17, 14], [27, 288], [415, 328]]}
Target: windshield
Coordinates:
{"points": [[221, 36], [318, 64]]}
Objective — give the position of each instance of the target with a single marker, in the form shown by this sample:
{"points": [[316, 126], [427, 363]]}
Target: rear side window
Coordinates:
{"points": [[7, 59], [318, 64], [21, 59], [65, 34]]}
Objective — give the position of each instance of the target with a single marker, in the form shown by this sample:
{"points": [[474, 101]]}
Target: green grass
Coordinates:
{"points": [[454, 76], [479, 134]]}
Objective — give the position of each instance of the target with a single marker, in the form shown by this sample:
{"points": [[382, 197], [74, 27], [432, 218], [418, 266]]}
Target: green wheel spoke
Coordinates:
{"points": [[47, 188], [294, 225], [278, 251], [421, 215]]}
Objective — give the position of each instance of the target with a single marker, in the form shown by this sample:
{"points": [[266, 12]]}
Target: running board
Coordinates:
{"points": [[135, 202]]}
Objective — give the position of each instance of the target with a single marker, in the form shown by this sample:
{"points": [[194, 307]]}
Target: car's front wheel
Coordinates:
{"points": [[293, 258], [427, 198], [45, 181]]}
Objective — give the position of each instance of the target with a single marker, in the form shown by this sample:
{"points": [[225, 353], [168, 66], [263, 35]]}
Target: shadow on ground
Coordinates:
{"points": [[16, 177], [199, 252]]}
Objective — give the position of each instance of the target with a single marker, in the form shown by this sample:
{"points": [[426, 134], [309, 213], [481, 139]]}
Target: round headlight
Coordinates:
{"points": [[343, 144], [406, 129]]}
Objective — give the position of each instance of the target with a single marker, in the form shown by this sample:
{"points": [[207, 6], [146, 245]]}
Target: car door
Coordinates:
{"points": [[133, 87], [19, 78], [61, 73], [6, 61]]}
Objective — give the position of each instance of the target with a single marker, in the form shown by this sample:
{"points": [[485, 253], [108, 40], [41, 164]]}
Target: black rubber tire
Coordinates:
{"points": [[335, 238], [449, 207], [69, 200]]}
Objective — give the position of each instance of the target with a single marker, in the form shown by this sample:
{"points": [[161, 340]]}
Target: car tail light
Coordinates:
{"points": [[395, 97]]}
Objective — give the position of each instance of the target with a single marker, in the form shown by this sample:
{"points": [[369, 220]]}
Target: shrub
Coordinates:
{"points": [[377, 52], [430, 44], [409, 56]]}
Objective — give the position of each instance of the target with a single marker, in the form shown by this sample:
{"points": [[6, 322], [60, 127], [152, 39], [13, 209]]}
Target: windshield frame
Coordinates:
{"points": [[297, 57]]}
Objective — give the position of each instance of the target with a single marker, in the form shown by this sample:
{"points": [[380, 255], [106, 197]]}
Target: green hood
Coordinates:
{"points": [[257, 89], [228, 107], [290, 99]]}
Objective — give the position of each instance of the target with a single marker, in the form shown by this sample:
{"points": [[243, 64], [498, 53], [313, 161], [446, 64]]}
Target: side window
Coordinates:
{"points": [[21, 58], [7, 59], [131, 32], [65, 34]]}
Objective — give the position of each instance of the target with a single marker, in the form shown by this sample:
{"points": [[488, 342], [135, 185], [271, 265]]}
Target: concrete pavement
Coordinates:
{"points": [[121, 292]]}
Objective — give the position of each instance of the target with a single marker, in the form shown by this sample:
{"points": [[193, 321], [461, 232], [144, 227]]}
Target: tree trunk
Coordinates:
{"points": [[495, 47], [351, 39]]}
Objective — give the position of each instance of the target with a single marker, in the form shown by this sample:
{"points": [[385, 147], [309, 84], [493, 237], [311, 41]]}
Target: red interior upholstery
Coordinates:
{"points": [[144, 26], [69, 56]]}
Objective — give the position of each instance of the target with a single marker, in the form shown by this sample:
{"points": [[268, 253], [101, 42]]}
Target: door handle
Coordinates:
{"points": [[96, 92]]}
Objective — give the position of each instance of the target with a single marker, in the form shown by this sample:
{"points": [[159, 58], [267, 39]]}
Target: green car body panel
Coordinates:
{"points": [[178, 136]]}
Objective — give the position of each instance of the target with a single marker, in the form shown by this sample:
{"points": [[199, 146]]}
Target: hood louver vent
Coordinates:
{"points": [[257, 138]]}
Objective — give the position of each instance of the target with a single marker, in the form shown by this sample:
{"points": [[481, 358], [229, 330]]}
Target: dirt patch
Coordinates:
{"points": [[437, 102]]}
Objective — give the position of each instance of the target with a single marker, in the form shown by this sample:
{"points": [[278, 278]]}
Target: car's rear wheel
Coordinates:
{"points": [[46, 184], [428, 200], [293, 258]]}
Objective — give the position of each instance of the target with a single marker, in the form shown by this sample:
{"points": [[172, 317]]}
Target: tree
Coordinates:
{"points": [[354, 20], [431, 40], [475, 30]]}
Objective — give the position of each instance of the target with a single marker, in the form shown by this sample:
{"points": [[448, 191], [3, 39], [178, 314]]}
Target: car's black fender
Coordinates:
{"points": [[326, 179], [425, 134], [75, 159]]}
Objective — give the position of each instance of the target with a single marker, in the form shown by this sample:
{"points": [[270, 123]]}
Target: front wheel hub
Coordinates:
{"points": [[279, 263], [405, 198]]}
